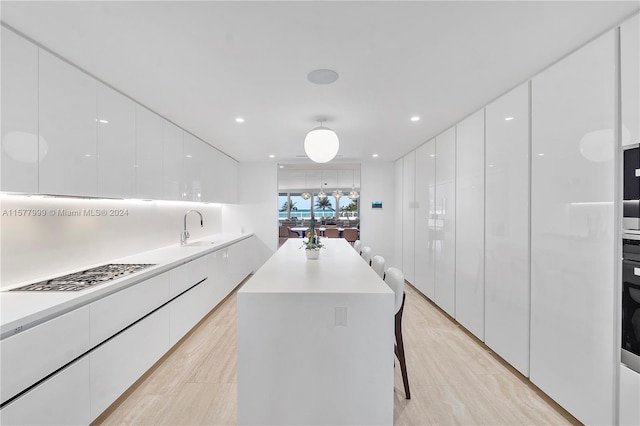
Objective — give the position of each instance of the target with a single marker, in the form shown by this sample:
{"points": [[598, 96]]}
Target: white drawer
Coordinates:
{"points": [[111, 314], [33, 354], [63, 399]]}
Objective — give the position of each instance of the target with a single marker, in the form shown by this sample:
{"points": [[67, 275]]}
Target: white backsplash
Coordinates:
{"points": [[44, 236]]}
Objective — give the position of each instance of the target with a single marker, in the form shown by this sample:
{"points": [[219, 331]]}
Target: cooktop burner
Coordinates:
{"points": [[85, 279]]}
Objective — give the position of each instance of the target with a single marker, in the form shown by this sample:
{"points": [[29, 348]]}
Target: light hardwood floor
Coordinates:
{"points": [[454, 379]]}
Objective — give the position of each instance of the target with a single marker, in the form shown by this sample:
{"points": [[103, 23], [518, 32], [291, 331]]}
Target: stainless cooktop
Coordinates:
{"points": [[84, 279]]}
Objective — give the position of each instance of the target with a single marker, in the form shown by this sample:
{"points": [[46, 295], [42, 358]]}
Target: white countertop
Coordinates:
{"points": [[338, 270], [26, 309]]}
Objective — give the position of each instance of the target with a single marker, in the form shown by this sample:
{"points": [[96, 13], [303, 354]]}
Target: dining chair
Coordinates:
{"points": [[395, 279], [293, 234], [357, 245], [377, 263], [366, 255], [350, 234], [332, 233]]}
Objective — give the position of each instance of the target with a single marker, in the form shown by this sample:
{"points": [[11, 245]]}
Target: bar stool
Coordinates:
{"points": [[395, 279], [366, 255], [377, 263], [357, 245]]}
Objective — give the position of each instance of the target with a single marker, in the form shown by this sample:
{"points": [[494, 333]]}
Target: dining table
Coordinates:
{"points": [[315, 340]]}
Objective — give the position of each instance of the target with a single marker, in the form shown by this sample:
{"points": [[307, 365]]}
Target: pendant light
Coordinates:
{"points": [[321, 194], [305, 195], [337, 193], [321, 144], [353, 194]]}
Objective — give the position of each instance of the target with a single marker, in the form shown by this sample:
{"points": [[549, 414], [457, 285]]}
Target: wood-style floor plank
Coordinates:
{"points": [[454, 379]]}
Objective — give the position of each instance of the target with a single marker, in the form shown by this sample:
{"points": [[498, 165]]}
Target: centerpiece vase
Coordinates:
{"points": [[312, 254]]}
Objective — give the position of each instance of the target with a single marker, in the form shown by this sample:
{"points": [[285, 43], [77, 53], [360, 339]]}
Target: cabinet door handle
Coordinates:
{"points": [[637, 172], [636, 271]]}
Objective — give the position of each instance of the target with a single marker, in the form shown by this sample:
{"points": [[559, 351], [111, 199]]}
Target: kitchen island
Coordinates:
{"points": [[315, 340]]}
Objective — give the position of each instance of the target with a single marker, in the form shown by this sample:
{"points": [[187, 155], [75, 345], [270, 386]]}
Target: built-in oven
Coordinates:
{"points": [[630, 352], [631, 188]]}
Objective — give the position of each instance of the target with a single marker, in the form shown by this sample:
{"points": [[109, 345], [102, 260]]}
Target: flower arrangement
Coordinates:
{"points": [[313, 238]]}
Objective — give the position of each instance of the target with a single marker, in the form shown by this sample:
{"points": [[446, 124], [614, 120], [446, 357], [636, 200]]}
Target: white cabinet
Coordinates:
{"points": [[240, 257], [507, 284], [20, 149], [118, 363], [469, 275], [130, 304], [629, 397], [43, 348], [572, 231], [445, 222], [172, 153], [193, 167], [63, 399], [425, 219], [227, 179], [408, 214], [149, 154], [67, 123], [398, 206], [116, 143], [630, 80]]}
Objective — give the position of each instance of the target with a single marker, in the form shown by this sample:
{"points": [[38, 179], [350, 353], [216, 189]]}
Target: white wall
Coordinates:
{"points": [[257, 208], [377, 226], [35, 247]]}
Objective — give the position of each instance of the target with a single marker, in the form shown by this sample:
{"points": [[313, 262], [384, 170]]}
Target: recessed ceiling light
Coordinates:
{"points": [[281, 166], [541, 154], [189, 155], [88, 155], [375, 155], [432, 155], [415, 118], [239, 120], [322, 76], [508, 119], [102, 121], [490, 165], [271, 156]]}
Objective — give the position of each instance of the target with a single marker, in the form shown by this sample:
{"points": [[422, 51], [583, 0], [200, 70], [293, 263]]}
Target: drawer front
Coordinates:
{"points": [[63, 399], [33, 354], [198, 270], [117, 311], [117, 364]]}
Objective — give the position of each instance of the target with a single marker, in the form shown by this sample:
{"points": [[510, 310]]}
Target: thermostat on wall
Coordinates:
{"points": [[376, 204]]}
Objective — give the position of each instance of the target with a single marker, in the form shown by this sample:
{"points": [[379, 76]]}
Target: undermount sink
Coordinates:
{"points": [[200, 244]]}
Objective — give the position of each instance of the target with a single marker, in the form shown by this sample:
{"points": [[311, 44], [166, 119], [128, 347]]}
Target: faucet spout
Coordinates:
{"points": [[184, 236]]}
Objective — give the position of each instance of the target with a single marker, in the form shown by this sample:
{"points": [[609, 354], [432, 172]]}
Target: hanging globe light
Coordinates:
{"points": [[321, 144]]}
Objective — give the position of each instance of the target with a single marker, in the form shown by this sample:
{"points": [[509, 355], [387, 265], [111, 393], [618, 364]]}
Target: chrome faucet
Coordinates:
{"points": [[184, 236]]}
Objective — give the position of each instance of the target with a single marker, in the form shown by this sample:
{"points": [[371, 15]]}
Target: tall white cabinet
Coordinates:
{"points": [[408, 216], [469, 219], [20, 150], [67, 126], [572, 231], [630, 80], [116, 130], [149, 154], [507, 285], [445, 221], [425, 179]]}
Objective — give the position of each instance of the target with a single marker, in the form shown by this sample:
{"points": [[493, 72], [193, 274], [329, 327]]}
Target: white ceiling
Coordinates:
{"points": [[201, 64]]}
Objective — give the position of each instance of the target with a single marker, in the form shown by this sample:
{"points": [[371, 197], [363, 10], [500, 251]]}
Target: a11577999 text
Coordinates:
{"points": [[65, 212]]}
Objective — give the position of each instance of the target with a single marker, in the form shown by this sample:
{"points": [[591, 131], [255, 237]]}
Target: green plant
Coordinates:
{"points": [[285, 206], [324, 204], [313, 238]]}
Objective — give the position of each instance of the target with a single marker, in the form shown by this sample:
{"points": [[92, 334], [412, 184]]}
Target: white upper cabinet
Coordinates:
{"points": [[67, 119], [630, 84], [470, 223], [572, 231], [229, 181], [194, 153], [172, 149], [213, 179], [445, 222], [19, 121], [408, 214], [507, 228], [425, 219], [149, 154], [116, 144]]}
